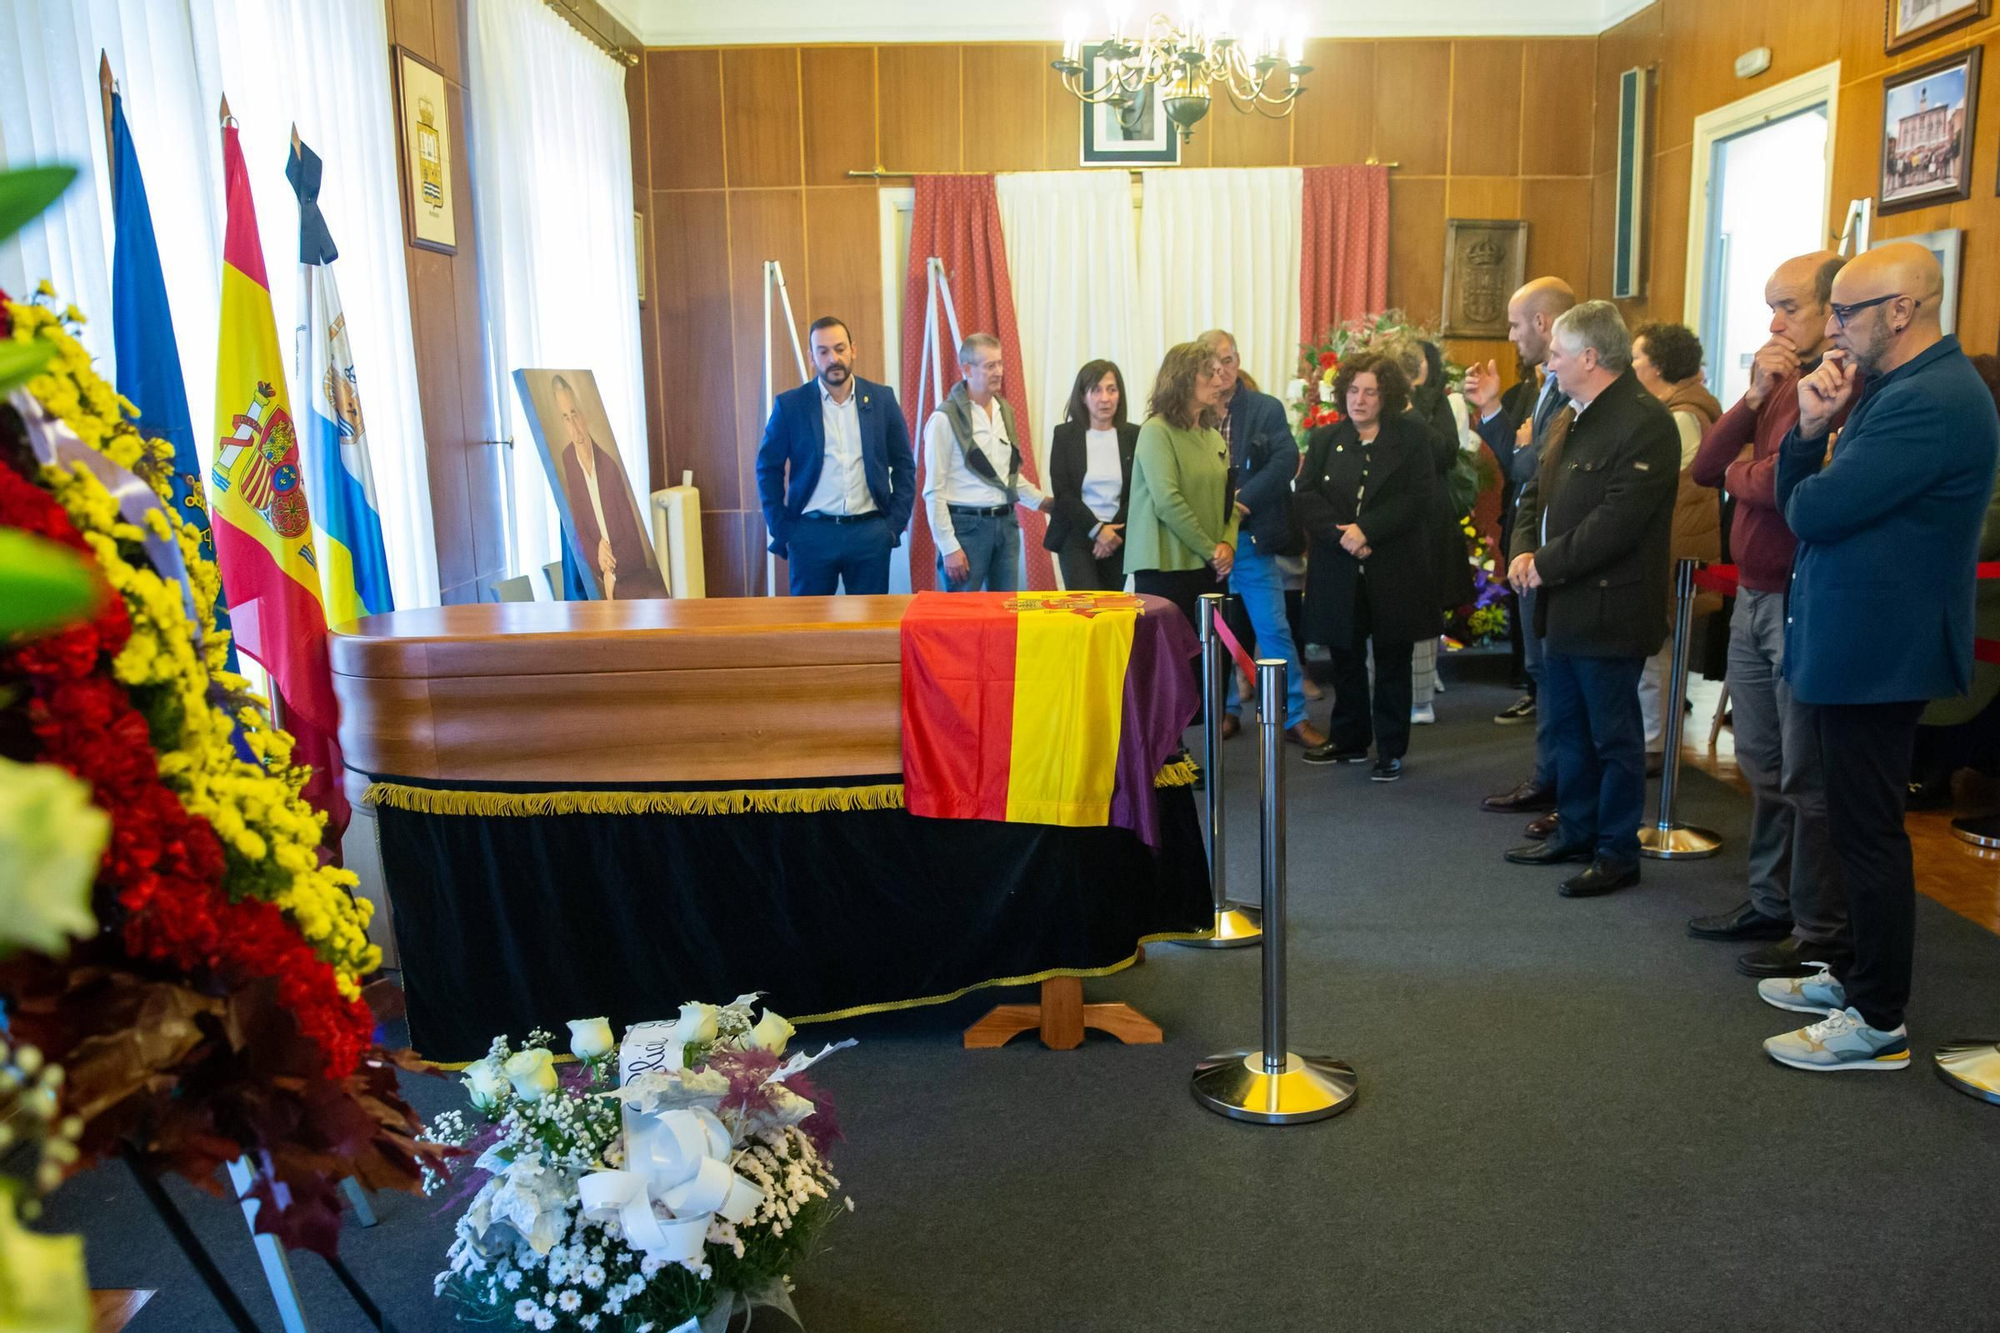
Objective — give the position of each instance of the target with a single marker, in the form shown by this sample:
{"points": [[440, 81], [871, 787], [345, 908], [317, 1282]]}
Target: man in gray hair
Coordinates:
{"points": [[1591, 537]]}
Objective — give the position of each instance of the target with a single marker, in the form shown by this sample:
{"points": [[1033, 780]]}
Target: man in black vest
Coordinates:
{"points": [[972, 477], [1591, 536]]}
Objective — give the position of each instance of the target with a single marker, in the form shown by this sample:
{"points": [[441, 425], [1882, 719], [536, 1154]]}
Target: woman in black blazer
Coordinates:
{"points": [[1365, 496], [1090, 476]]}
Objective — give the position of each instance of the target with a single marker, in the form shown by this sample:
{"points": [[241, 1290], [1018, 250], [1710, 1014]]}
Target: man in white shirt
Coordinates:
{"points": [[972, 477]]}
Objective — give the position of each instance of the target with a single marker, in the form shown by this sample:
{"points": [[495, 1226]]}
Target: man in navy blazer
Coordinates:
{"points": [[1880, 615], [835, 474]]}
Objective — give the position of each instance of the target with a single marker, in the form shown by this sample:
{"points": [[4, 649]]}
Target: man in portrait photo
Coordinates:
{"points": [[603, 514]]}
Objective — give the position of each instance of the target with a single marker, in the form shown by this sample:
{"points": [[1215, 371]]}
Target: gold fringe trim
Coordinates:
{"points": [[1181, 772]]}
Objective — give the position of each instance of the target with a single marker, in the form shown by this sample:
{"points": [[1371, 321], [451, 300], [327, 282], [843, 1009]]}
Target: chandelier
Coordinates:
{"points": [[1185, 59]]}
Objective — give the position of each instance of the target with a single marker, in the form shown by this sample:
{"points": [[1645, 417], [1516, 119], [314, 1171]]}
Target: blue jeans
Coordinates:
{"points": [[823, 556], [1533, 655], [1592, 709], [992, 546], [1257, 579]]}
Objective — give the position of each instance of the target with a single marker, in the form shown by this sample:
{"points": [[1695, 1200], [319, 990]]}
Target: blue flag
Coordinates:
{"points": [[142, 330]]}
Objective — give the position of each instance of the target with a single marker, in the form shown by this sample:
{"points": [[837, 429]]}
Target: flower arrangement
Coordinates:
{"points": [[1484, 618], [1311, 396], [685, 1195]]}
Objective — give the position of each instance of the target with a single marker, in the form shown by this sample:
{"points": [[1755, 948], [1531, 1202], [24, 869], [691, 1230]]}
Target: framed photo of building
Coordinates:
{"points": [[1485, 262], [1139, 135], [1947, 247], [424, 128], [1927, 115], [600, 513], [1909, 22]]}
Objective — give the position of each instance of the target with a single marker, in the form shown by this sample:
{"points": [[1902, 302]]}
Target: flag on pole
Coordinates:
{"points": [[353, 566], [142, 331], [262, 523]]}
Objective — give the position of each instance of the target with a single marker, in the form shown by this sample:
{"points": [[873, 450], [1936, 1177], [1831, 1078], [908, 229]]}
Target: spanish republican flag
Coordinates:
{"points": [[262, 524]]}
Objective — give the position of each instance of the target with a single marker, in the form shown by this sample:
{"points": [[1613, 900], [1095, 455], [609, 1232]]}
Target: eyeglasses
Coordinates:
{"points": [[1842, 313]]}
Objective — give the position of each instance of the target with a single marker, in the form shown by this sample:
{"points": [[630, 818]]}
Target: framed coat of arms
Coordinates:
{"points": [[1485, 262]]}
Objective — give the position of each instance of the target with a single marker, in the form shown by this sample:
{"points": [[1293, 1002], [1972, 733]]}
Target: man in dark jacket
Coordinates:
{"points": [[1880, 617], [1592, 537]]}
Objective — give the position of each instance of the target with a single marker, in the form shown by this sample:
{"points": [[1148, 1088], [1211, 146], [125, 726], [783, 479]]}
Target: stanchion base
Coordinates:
{"points": [[1979, 830], [1235, 927], [1682, 842], [1312, 1087], [1973, 1067]]}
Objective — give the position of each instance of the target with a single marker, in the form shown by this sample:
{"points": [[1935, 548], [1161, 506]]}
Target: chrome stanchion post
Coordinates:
{"points": [[1668, 840], [1973, 1067], [1233, 926], [1273, 1086]]}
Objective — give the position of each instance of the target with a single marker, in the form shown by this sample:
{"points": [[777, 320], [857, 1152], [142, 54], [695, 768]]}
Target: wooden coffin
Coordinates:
{"points": [[703, 690]]}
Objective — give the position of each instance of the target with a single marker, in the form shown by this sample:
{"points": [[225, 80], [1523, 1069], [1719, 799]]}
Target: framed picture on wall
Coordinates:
{"points": [[1138, 135], [1927, 115], [424, 127], [1909, 22], [1485, 262], [1947, 246]]}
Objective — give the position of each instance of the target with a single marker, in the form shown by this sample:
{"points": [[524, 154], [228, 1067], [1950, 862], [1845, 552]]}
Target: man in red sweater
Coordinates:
{"points": [[1796, 900]]}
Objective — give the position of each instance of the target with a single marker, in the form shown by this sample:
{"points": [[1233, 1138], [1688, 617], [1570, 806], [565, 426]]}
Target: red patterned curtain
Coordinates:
{"points": [[1343, 248], [957, 219]]}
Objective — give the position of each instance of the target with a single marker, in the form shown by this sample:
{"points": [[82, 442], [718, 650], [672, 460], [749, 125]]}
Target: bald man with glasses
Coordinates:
{"points": [[1880, 615]]}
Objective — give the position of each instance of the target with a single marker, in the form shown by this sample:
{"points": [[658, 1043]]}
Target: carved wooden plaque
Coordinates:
{"points": [[1485, 261]]}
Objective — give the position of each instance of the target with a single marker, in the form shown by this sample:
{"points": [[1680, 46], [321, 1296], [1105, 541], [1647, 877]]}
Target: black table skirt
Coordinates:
{"points": [[507, 921]]}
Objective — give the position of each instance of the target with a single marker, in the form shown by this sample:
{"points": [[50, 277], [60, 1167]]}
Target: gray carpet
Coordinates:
{"points": [[1565, 1120]]}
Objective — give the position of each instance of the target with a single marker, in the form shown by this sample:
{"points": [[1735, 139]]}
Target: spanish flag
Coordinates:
{"points": [[1041, 707], [262, 523]]}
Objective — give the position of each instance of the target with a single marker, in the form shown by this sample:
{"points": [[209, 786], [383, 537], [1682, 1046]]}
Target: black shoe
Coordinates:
{"points": [[1603, 876], [1528, 798], [1542, 827], [1789, 957], [1549, 854], [1521, 710], [1386, 770], [1333, 752], [1739, 923]]}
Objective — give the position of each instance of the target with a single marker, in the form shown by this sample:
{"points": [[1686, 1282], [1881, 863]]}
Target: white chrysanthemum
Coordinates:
{"points": [[593, 1276], [569, 1302], [511, 1279], [525, 1310], [545, 1321]]}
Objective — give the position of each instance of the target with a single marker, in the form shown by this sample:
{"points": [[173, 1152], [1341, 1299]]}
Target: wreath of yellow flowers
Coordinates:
{"points": [[270, 835]]}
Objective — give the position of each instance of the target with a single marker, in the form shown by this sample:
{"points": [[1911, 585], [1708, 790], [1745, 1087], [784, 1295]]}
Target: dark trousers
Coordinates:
{"points": [[1357, 719], [1865, 755], [1598, 741], [825, 556], [1182, 587], [1084, 572]]}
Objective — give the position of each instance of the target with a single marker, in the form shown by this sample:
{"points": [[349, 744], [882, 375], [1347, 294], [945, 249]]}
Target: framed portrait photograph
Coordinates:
{"points": [[1139, 135], [1927, 115], [1909, 22], [600, 512], [1948, 247], [1485, 262], [424, 128]]}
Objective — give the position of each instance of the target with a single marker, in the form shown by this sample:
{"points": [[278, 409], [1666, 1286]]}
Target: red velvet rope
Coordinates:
{"points": [[1722, 579]]}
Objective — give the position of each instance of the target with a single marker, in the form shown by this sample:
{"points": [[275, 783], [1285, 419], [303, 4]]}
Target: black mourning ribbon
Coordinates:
{"points": [[303, 170]]}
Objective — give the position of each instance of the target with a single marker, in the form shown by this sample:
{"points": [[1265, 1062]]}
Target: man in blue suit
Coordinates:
{"points": [[835, 473], [1880, 617]]}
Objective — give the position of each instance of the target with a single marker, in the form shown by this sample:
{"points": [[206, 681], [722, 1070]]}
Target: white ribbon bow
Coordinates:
{"points": [[680, 1163]]}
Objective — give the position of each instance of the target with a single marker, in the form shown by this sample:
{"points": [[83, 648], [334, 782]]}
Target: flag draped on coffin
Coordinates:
{"points": [[262, 523], [353, 566], [142, 328]]}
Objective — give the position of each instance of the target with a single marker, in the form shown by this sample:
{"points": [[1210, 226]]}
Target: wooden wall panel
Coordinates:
{"points": [[690, 311], [1486, 108], [917, 88], [763, 224], [761, 132], [641, 129], [1696, 71], [1002, 112], [1237, 140], [410, 24], [684, 90], [844, 265], [1482, 197], [1413, 105], [1666, 254], [1334, 124], [1416, 247], [447, 36], [726, 564], [1062, 119], [839, 98], [1558, 215], [1603, 208], [1555, 139], [1635, 42]]}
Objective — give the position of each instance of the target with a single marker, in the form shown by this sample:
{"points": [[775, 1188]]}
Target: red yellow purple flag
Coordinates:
{"points": [[261, 521]]}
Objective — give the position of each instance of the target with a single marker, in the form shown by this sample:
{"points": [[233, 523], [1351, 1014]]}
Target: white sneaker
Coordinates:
{"points": [[1423, 715], [1841, 1040], [1815, 994]]}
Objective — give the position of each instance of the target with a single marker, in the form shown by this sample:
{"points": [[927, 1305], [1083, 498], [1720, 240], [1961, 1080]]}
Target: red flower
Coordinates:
{"points": [[1327, 360]]}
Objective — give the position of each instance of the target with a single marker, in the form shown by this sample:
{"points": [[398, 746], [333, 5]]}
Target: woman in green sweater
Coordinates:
{"points": [[1180, 533]]}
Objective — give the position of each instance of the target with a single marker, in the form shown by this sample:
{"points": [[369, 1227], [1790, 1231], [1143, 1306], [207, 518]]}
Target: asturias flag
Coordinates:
{"points": [[262, 524], [142, 329], [354, 568]]}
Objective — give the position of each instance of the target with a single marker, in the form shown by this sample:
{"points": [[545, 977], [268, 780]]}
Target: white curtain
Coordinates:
{"points": [[552, 152], [1220, 249], [323, 67], [1073, 259]]}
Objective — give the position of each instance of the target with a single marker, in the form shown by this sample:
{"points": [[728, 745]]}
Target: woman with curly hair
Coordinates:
{"points": [[1366, 496]]}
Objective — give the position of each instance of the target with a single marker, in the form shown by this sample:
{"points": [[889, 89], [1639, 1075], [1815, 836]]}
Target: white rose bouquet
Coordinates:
{"points": [[688, 1194]]}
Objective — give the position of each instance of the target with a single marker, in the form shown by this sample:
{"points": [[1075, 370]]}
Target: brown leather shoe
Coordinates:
{"points": [[1306, 734], [1541, 828], [1525, 799], [1230, 725]]}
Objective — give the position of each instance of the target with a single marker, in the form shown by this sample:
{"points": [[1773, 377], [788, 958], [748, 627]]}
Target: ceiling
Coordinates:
{"points": [[785, 22]]}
